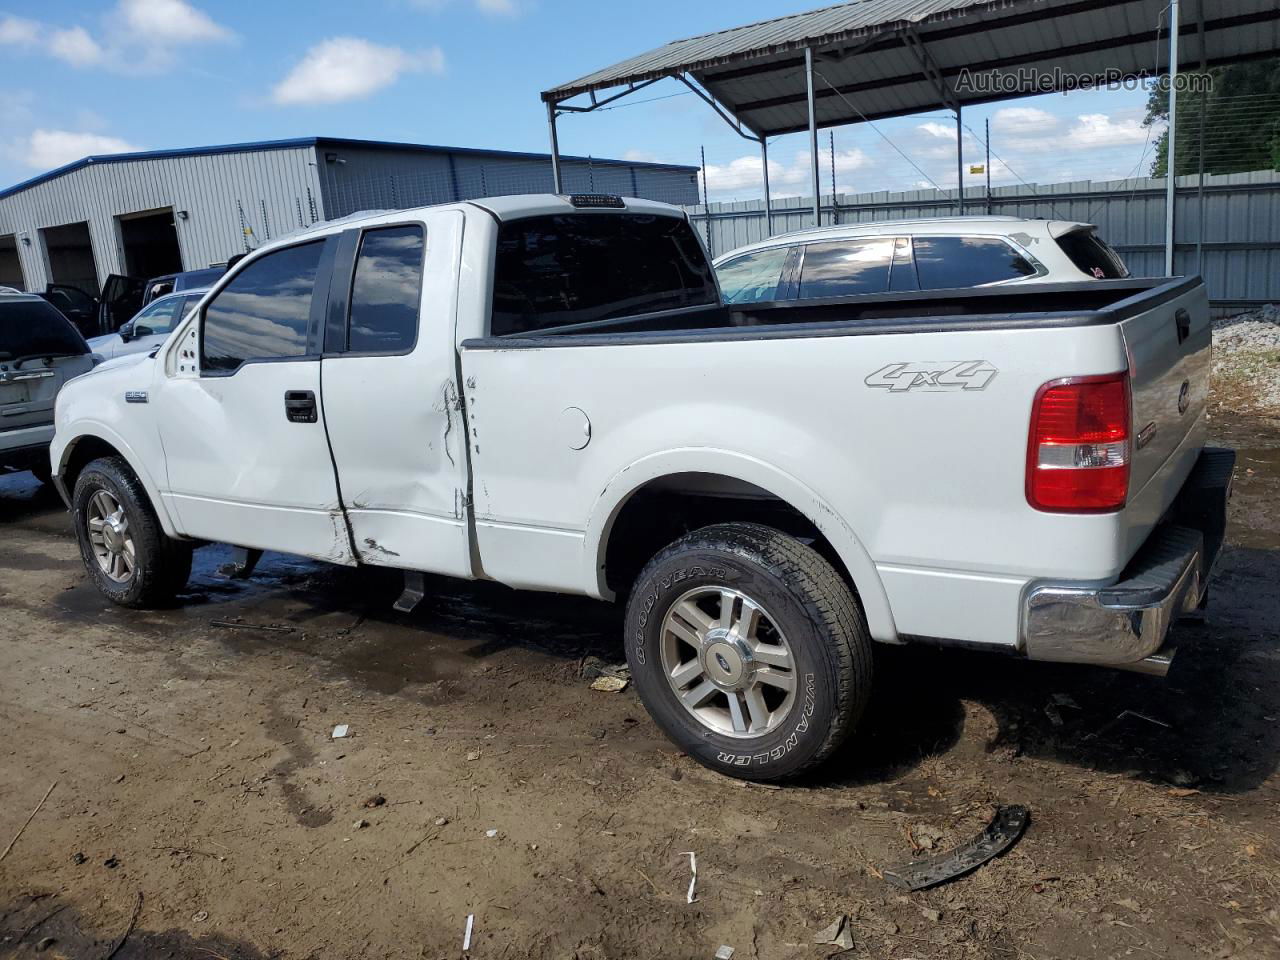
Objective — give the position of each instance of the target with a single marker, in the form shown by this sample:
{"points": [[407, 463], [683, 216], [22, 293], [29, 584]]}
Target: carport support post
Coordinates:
{"points": [[768, 204], [555, 148], [1171, 196], [813, 138]]}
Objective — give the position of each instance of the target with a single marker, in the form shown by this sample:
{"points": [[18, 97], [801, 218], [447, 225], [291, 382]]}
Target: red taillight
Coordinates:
{"points": [[1080, 445]]}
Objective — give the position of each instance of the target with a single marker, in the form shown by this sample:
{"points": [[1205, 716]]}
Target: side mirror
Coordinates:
{"points": [[138, 330], [126, 332]]}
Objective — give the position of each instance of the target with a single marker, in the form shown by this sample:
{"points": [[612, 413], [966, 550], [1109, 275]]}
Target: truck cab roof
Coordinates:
{"points": [[501, 208]]}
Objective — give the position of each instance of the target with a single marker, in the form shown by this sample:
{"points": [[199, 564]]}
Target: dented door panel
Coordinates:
{"points": [[396, 428]]}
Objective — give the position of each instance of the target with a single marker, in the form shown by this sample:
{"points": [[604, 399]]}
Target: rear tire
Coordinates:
{"points": [[749, 651], [123, 546]]}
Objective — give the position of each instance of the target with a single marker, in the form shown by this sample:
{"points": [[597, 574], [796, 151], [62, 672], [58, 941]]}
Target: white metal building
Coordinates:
{"points": [[146, 214]]}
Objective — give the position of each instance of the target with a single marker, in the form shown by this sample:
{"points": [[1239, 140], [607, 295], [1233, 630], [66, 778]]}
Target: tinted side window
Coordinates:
{"points": [[265, 312], [580, 268], [1093, 256], [845, 268], [752, 278], [949, 262], [387, 291]]}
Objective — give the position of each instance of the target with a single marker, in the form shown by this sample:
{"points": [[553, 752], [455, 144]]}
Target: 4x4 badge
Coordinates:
{"points": [[939, 377]]}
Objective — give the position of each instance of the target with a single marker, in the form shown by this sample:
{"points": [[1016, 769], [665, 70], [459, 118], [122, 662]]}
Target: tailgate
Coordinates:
{"points": [[1170, 362]]}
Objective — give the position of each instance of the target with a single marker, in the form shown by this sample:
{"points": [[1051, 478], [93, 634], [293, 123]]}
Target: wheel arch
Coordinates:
{"points": [[652, 472], [101, 441]]}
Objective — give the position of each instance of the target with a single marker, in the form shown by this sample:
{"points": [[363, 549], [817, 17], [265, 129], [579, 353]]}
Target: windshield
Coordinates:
{"points": [[36, 328]]}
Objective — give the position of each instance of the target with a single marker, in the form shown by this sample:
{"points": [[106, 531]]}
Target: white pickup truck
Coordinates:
{"points": [[547, 392]]}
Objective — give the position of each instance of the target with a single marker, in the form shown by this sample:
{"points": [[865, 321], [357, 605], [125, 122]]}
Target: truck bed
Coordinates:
{"points": [[989, 308], [804, 400]]}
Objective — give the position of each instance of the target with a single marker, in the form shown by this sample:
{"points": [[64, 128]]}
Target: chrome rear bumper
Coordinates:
{"points": [[1127, 625]]}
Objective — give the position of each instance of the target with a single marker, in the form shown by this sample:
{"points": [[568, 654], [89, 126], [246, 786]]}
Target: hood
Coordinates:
{"points": [[128, 360], [105, 343]]}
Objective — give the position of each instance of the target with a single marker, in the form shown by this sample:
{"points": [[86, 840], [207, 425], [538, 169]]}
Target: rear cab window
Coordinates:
{"points": [[386, 291], [578, 268], [944, 263], [35, 328], [1092, 255]]}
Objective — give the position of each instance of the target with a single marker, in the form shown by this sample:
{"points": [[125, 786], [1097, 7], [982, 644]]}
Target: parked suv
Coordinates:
{"points": [[39, 351], [904, 256], [150, 328]]}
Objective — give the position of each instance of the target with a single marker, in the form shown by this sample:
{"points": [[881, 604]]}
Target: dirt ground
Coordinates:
{"points": [[201, 808]]}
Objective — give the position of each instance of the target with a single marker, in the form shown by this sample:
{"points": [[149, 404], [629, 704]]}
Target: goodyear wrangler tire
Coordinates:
{"points": [[748, 650]]}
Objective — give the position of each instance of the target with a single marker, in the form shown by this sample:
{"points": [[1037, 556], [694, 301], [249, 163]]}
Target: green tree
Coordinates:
{"points": [[1241, 122]]}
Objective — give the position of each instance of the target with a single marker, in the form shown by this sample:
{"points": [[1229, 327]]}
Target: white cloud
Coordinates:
{"points": [[349, 68], [170, 21], [75, 46], [46, 149], [1025, 122], [491, 8], [744, 175], [939, 131], [18, 31], [1096, 130], [138, 36]]}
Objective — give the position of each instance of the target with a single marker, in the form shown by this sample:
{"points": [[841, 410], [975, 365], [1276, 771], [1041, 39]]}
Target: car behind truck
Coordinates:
{"points": [[548, 392]]}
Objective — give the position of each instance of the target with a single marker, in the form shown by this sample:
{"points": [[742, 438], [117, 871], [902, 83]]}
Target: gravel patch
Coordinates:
{"points": [[1246, 361]]}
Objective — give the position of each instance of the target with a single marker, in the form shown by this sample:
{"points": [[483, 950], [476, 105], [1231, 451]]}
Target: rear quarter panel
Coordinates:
{"points": [[920, 490]]}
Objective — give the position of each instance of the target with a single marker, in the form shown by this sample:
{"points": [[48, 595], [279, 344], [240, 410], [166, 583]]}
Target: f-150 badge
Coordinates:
{"points": [[929, 377]]}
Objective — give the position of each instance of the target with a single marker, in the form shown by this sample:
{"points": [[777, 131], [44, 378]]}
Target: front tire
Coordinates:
{"points": [[748, 650], [124, 548]]}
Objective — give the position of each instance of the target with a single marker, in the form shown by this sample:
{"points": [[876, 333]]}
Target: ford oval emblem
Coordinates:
{"points": [[1184, 397], [724, 664]]}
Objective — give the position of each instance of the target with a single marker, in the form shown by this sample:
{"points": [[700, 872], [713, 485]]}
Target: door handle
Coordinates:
{"points": [[1182, 319], [300, 406]]}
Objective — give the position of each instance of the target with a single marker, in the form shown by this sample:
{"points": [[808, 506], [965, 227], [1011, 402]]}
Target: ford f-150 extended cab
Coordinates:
{"points": [[549, 393]]}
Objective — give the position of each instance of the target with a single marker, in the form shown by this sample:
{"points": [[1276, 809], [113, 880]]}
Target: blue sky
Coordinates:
{"points": [[80, 77]]}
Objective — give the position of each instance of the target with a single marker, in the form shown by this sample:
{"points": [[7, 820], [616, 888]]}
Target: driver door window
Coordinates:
{"points": [[264, 313]]}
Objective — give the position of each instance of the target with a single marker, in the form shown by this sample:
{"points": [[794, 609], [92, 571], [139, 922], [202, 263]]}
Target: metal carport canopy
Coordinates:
{"points": [[873, 59], [886, 56]]}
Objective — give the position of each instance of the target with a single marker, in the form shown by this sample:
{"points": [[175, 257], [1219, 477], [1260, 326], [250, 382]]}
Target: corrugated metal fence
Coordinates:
{"points": [[1241, 240]]}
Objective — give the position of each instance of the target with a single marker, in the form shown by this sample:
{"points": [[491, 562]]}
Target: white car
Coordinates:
{"points": [[904, 256], [548, 392], [150, 327]]}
